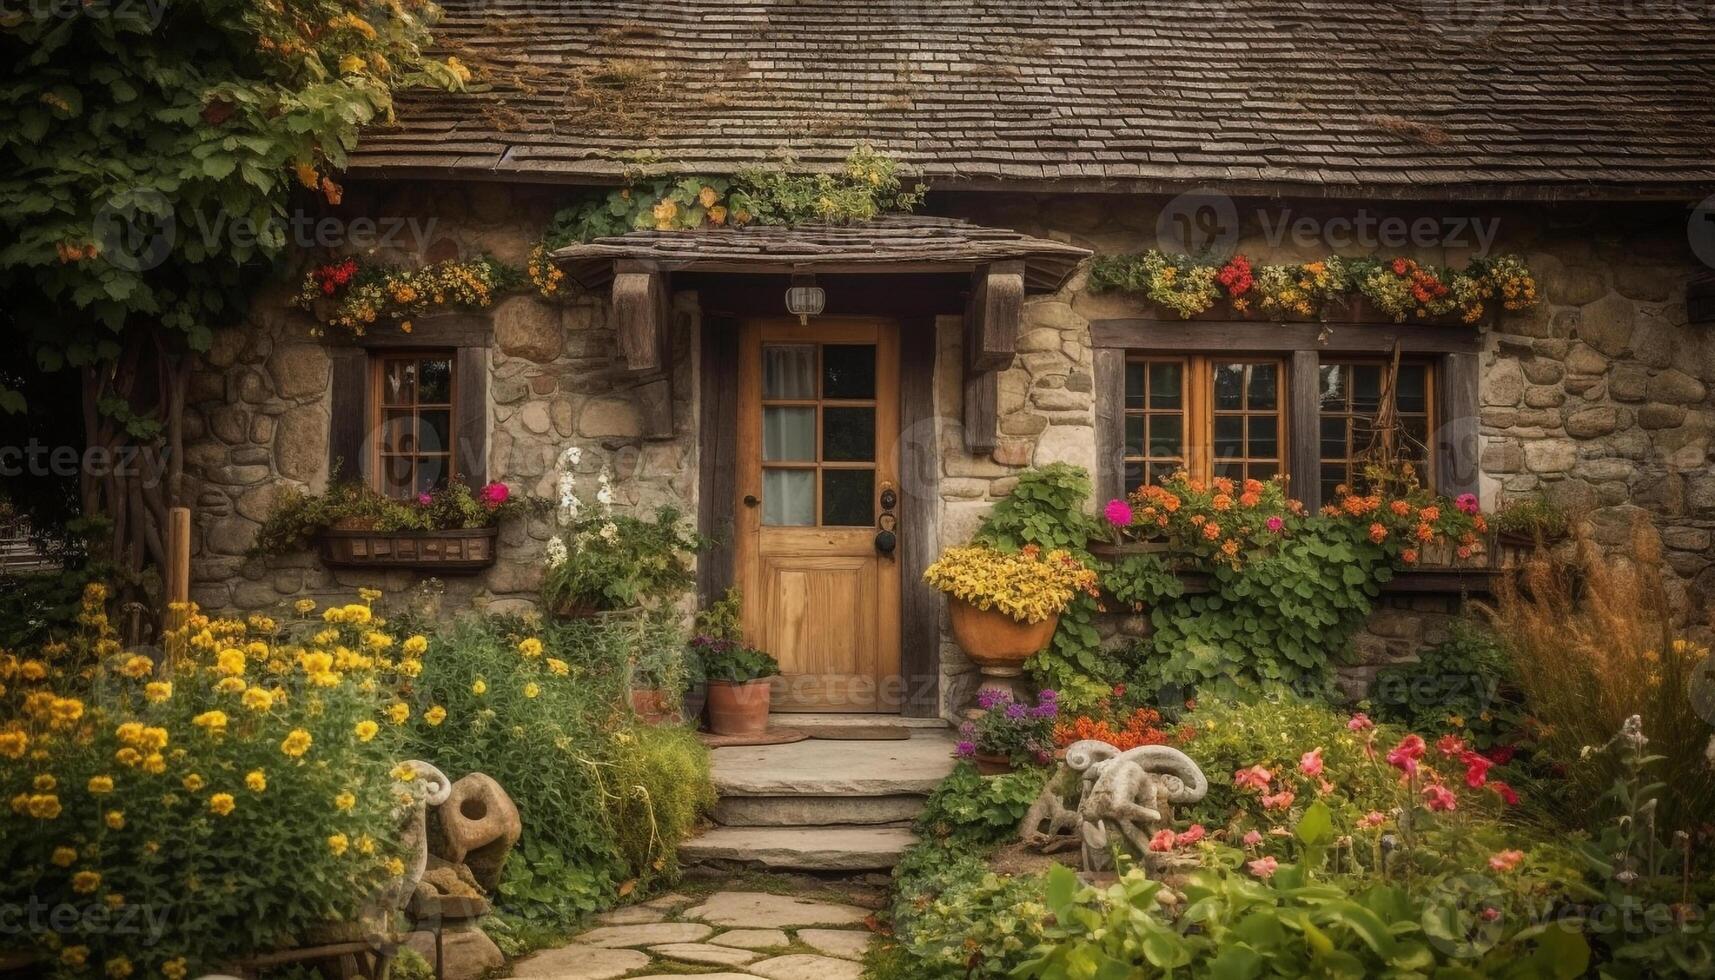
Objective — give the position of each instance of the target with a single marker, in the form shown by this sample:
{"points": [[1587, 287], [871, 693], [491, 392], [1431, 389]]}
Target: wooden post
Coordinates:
{"points": [[178, 564]]}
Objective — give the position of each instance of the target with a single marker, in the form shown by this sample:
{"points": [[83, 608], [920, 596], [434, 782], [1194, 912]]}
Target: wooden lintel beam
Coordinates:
{"points": [[992, 316]]}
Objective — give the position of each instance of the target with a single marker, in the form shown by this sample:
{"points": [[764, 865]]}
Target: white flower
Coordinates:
{"points": [[556, 552], [604, 491], [570, 457], [610, 532]]}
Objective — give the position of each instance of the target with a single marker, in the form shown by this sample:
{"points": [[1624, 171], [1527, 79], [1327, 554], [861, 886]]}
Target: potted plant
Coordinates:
{"points": [[612, 563], [739, 688], [451, 529], [1005, 606], [658, 671], [1527, 523], [1009, 733], [719, 622]]}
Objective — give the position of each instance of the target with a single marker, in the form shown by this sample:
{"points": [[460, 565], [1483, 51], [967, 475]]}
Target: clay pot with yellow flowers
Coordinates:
{"points": [[1005, 606]]}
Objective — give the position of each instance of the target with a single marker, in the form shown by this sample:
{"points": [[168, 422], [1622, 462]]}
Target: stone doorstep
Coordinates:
{"points": [[820, 768], [811, 811], [817, 848]]}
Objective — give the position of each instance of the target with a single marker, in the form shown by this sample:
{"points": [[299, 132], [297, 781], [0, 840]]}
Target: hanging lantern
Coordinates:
{"points": [[805, 299]]}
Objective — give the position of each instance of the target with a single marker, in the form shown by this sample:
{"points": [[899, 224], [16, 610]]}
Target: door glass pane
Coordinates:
{"points": [[788, 434], [1229, 435], [848, 371], [1166, 432], [1263, 441], [789, 497], [1134, 373], [399, 382], [789, 372], [1166, 389], [848, 434], [848, 498], [1416, 436], [435, 382], [1333, 379], [1264, 386], [1413, 392], [1229, 385], [434, 430]]}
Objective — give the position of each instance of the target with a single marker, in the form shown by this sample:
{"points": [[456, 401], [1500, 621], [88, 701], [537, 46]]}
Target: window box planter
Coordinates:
{"points": [[463, 551]]}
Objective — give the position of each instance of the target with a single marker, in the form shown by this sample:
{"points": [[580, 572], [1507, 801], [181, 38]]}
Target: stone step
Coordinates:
{"points": [[905, 767], [826, 848], [854, 727], [812, 811]]}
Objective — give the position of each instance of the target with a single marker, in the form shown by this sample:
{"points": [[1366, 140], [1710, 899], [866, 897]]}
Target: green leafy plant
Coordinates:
{"points": [[1462, 685], [1533, 518], [614, 561], [735, 663], [296, 517]]}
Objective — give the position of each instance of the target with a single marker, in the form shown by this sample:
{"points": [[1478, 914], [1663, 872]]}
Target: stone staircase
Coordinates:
{"points": [[835, 803]]}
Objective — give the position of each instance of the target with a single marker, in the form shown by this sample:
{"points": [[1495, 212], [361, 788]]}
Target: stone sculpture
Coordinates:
{"points": [[479, 826], [1119, 799]]}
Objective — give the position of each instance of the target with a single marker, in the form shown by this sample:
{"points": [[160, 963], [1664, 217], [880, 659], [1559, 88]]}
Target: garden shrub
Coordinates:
{"points": [[1462, 685], [231, 799]]}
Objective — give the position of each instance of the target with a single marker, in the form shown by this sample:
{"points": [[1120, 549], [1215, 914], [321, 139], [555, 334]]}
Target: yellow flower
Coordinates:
{"points": [[395, 867], [397, 712], [85, 882], [214, 722], [435, 715], [344, 801], [531, 690], [45, 783], [416, 645], [42, 806], [115, 819], [410, 667], [305, 606], [366, 844], [479, 688], [230, 661], [530, 647], [351, 64], [64, 857], [114, 900], [75, 956], [100, 784], [118, 968], [135, 667], [366, 730], [404, 772], [337, 843], [222, 804], [296, 743], [230, 685], [256, 781], [158, 691], [192, 783], [175, 969], [558, 667], [258, 699]]}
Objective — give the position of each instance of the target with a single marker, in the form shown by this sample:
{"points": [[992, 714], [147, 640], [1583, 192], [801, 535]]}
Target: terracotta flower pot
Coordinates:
{"points": [[991, 765], [652, 705], [994, 639], [739, 708]]}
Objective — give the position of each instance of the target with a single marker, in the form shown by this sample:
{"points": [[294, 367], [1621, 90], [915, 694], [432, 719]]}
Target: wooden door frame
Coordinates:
{"points": [[919, 468]]}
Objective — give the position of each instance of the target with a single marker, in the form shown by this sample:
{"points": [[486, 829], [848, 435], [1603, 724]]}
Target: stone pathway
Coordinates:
{"points": [[750, 935]]}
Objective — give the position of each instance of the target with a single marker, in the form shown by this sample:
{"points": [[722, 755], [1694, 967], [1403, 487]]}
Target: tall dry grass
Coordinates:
{"points": [[1594, 642]]}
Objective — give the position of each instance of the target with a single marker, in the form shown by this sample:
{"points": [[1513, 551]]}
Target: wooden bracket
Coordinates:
{"points": [[642, 317], [992, 317]]}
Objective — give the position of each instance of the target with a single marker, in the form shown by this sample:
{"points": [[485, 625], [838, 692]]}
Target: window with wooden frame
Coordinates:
{"points": [[1351, 397], [413, 395], [1213, 415]]}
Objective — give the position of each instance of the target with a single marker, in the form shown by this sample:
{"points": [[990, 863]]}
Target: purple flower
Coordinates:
{"points": [[988, 698], [1016, 711], [1118, 513], [1275, 524], [965, 750]]}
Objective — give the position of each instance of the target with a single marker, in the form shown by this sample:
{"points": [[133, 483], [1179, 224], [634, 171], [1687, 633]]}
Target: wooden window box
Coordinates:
{"points": [[1449, 579], [444, 552]]}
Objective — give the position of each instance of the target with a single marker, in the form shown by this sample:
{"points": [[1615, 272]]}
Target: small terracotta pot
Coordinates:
{"points": [[739, 709], [991, 765], [652, 705], [994, 639]]}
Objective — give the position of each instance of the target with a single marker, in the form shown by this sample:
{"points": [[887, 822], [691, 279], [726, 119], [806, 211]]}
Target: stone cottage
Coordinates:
{"points": [[959, 345]]}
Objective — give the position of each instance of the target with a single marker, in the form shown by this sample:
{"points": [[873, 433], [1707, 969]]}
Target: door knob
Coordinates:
{"points": [[886, 541], [752, 500]]}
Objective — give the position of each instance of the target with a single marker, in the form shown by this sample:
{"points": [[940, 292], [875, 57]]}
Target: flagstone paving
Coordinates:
{"points": [[763, 935]]}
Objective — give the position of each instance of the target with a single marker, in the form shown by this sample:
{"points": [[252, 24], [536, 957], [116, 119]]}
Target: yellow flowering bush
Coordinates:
{"points": [[1029, 585], [183, 811]]}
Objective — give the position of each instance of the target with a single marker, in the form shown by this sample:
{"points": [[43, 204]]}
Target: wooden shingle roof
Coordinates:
{"points": [[1380, 97]]}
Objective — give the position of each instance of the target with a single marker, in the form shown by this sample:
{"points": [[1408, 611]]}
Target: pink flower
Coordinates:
{"points": [[1360, 723], [1508, 795], [1162, 841], [1439, 799], [1310, 763], [1192, 835], [1256, 777], [1490, 914], [1275, 524], [1506, 860], [1467, 503], [1405, 755], [1118, 513], [1372, 820], [1278, 801], [1263, 867], [495, 494], [1476, 769], [1253, 838], [424, 499], [1450, 745]]}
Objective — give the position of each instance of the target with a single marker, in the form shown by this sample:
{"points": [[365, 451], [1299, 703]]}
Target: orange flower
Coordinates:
{"points": [[1250, 499], [1211, 530], [1429, 515], [1221, 502], [1377, 533], [1400, 508], [1425, 532], [1409, 556]]}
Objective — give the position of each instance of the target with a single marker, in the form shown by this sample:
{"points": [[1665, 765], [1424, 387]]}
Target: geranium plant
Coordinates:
{"points": [[1029, 585], [296, 516], [1222, 520], [1021, 732]]}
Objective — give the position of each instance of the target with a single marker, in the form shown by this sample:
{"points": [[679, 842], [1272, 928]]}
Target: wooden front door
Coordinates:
{"points": [[818, 481]]}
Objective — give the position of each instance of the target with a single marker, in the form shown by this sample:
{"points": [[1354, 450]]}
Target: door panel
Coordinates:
{"points": [[817, 447]]}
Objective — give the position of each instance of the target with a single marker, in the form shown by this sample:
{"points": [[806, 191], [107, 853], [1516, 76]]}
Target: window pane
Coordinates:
{"points": [[1366, 388], [398, 382], [848, 371], [1264, 440], [1166, 435], [1333, 438], [1166, 388], [1231, 470], [1134, 436], [1412, 394], [396, 476], [1416, 436], [1264, 388], [1264, 471], [789, 497], [1162, 470], [788, 434], [434, 430], [1134, 373], [431, 473], [1333, 382], [1229, 385], [848, 498], [396, 433], [1333, 474], [1134, 476], [1229, 435], [435, 382], [848, 434], [789, 372]]}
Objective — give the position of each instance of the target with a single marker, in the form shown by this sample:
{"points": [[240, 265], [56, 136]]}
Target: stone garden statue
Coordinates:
{"points": [[1121, 799]]}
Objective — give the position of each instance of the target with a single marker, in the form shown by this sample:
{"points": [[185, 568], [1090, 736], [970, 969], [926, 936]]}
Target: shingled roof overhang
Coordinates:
{"points": [[888, 244], [1478, 100]]}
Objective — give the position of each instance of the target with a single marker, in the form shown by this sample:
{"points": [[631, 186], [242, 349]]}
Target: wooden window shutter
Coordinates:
{"points": [[348, 455], [470, 455]]}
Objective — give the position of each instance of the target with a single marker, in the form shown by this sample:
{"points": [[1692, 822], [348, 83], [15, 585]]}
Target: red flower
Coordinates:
{"points": [[1439, 799], [1500, 755], [1162, 841], [1450, 745], [1279, 801], [1405, 755], [1192, 835], [1236, 276], [1360, 723], [1310, 763], [1508, 795], [1476, 769]]}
